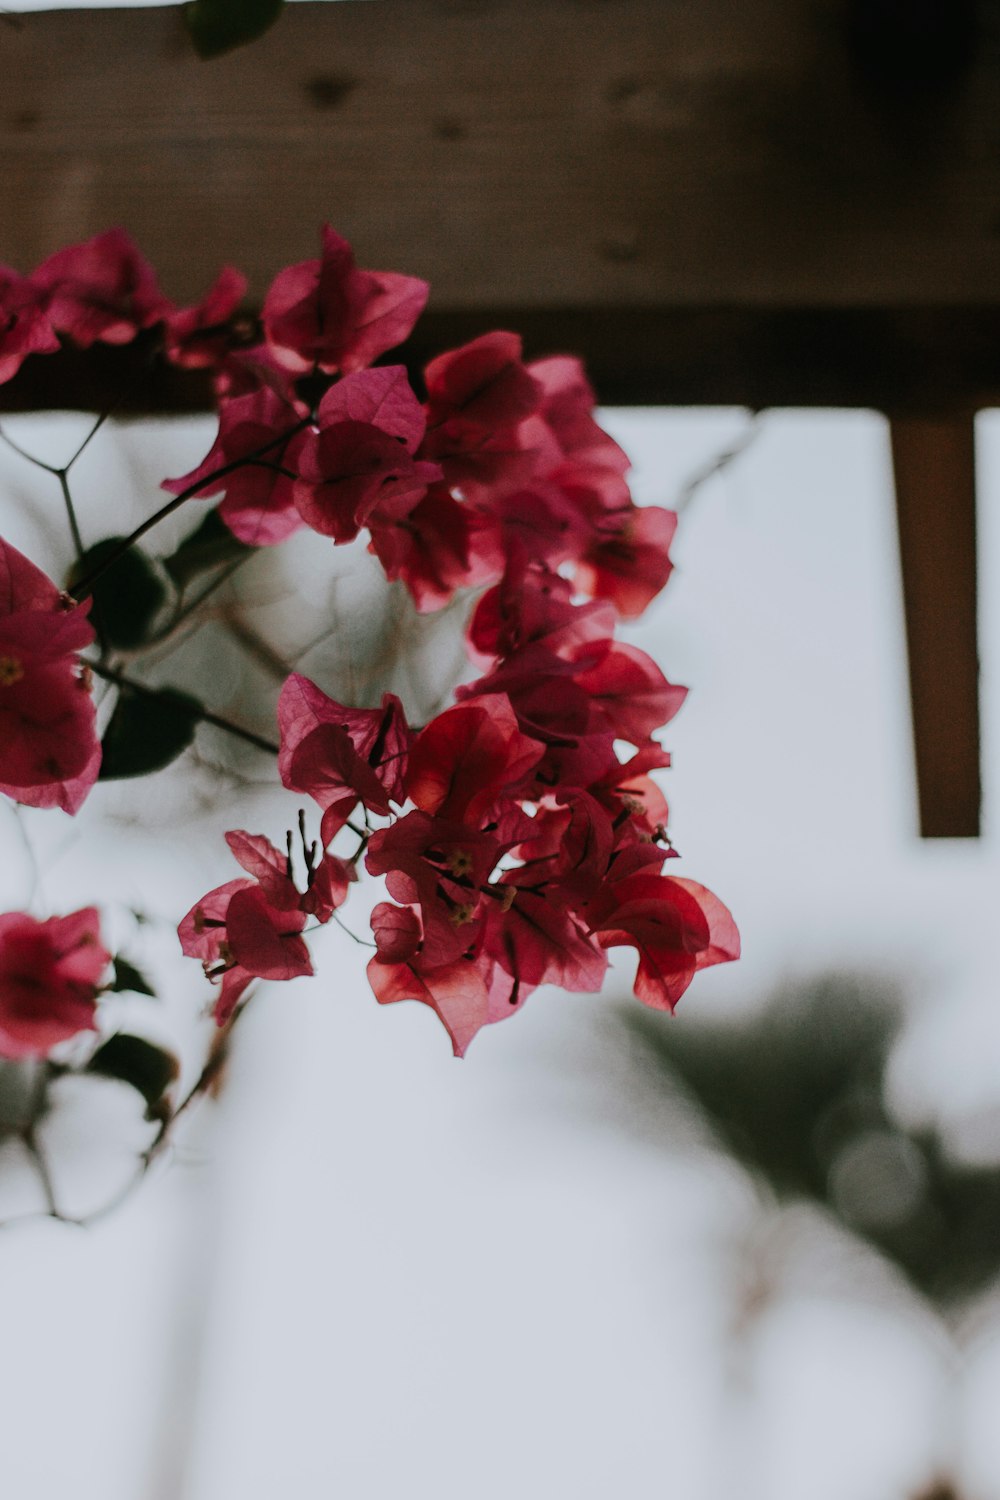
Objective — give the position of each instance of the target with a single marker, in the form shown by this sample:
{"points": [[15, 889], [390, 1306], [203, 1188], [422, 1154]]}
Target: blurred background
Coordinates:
{"points": [[750, 1250]]}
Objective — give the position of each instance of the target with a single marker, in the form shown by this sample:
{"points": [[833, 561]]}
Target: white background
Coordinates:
{"points": [[374, 1269]]}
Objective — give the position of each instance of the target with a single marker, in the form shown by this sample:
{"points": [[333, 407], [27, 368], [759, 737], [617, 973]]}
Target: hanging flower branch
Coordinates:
{"points": [[520, 831]]}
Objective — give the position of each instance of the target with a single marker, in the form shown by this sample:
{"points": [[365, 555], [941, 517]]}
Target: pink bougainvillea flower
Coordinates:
{"points": [[201, 336], [327, 315], [358, 468], [397, 932], [264, 939], [203, 935], [456, 992], [239, 935], [50, 973], [429, 548], [532, 606], [567, 407], [467, 993], [251, 928], [480, 399], [482, 384], [327, 879], [258, 437], [103, 290], [245, 371], [537, 940], [469, 757], [24, 326], [340, 756], [443, 867], [630, 692], [554, 709], [540, 522], [353, 474], [629, 786], [628, 561], [383, 397], [569, 848], [677, 926], [49, 751]]}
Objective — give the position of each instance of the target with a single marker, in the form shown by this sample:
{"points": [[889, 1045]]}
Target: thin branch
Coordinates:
{"points": [[111, 674], [39, 463], [718, 462], [95, 429], [213, 1066], [85, 585], [61, 475], [362, 942]]}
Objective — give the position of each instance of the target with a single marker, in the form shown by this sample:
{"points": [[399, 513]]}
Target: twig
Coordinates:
{"points": [[718, 462], [81, 589]]}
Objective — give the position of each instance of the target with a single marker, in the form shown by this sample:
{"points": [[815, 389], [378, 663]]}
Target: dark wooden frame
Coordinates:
{"points": [[713, 203]]}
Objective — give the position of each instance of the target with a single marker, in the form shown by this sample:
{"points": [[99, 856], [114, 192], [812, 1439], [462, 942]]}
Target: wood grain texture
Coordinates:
{"points": [[708, 201], [922, 359], [518, 153], [934, 463]]}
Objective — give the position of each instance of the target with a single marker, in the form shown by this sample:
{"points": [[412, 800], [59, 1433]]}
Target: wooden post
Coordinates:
{"points": [[934, 463]]}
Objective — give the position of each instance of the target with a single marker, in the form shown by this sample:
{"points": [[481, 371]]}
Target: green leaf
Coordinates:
{"points": [[128, 977], [149, 1069], [127, 598], [147, 731], [217, 26], [208, 546]]}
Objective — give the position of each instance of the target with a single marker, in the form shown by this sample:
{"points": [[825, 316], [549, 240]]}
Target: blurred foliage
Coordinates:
{"points": [[210, 544], [147, 731], [129, 978], [796, 1094], [127, 597], [149, 1069]]}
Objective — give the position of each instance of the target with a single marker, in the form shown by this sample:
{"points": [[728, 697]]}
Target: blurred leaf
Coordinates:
{"points": [[217, 26], [778, 1086], [208, 546], [127, 598], [147, 731], [129, 978], [149, 1069], [795, 1094]]}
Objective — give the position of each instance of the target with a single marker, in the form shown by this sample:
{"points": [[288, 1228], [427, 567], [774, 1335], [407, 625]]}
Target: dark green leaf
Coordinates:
{"points": [[217, 26], [127, 598], [128, 977], [147, 1068], [147, 731], [209, 545]]}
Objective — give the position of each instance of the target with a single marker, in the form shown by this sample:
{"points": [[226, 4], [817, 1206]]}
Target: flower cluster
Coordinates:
{"points": [[519, 832], [49, 751], [50, 974]]}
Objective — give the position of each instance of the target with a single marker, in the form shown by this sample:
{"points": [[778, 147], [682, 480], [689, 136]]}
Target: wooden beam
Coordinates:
{"points": [[712, 203], [907, 359], [686, 193], [934, 464]]}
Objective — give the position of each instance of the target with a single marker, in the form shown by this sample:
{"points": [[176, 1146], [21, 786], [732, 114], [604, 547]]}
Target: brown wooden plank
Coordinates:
{"points": [[934, 464], [916, 359], [519, 153], [707, 201]]}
